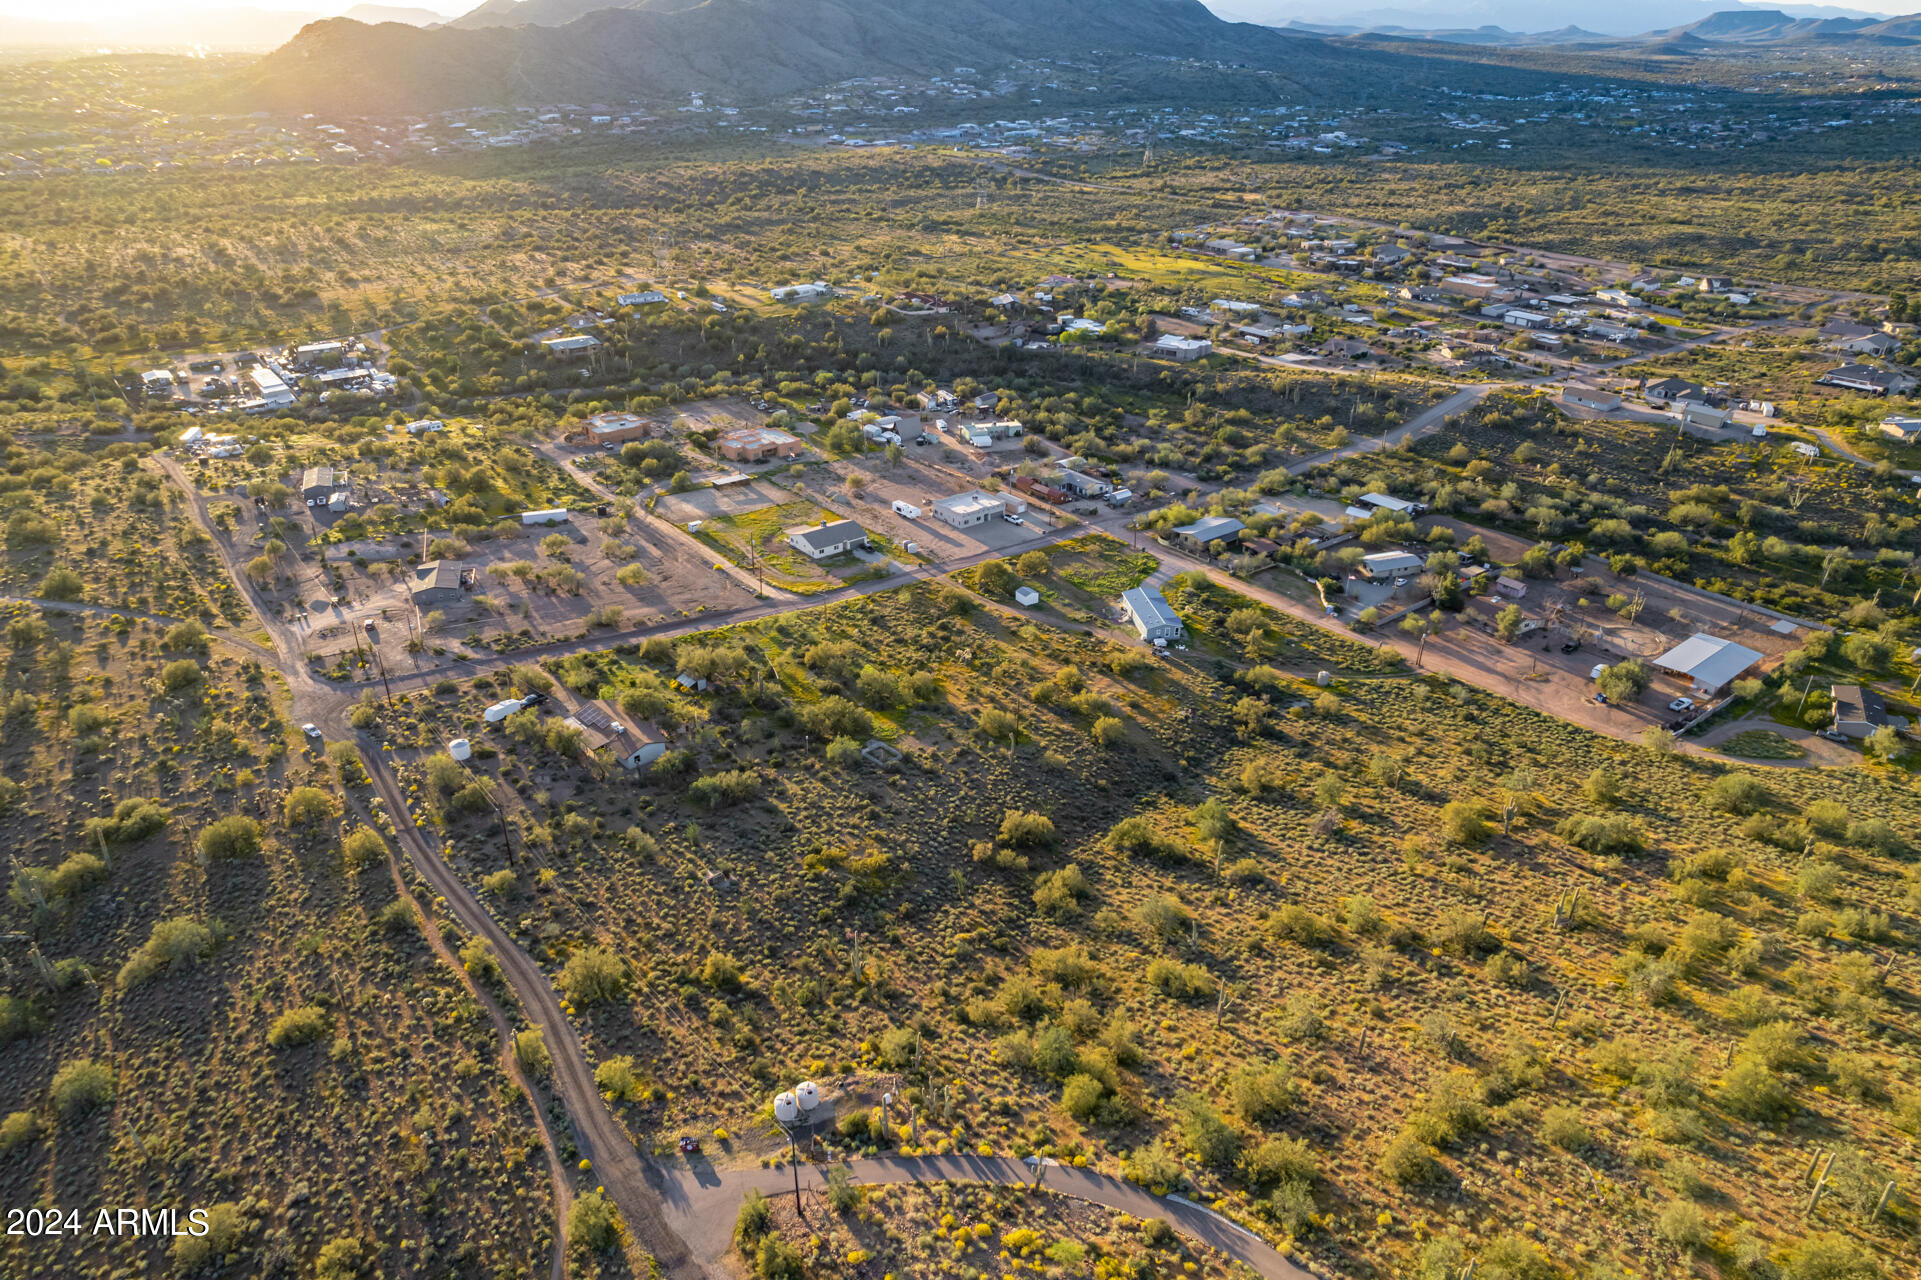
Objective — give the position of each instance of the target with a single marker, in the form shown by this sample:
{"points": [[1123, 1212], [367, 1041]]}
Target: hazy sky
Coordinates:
{"points": [[86, 10], [90, 10]]}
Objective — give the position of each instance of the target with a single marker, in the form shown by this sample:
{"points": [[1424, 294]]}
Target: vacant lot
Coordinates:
{"points": [[1254, 900]]}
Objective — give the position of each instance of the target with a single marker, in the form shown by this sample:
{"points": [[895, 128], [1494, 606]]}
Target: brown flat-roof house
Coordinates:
{"points": [[629, 743], [618, 428], [757, 444]]}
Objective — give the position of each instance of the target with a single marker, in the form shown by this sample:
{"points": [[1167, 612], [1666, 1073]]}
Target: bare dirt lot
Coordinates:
{"points": [[522, 595], [918, 483]]}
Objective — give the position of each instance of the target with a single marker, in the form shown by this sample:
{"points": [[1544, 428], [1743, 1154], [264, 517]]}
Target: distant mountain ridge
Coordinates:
{"points": [[1748, 28], [533, 51]]}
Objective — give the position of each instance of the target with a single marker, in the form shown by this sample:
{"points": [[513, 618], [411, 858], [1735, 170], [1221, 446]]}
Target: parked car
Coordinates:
{"points": [[1011, 518], [1681, 704], [690, 1146], [312, 731], [1571, 646]]}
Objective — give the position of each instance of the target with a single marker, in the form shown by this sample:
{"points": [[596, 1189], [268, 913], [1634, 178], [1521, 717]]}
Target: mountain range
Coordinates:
{"points": [[1737, 28], [543, 51]]}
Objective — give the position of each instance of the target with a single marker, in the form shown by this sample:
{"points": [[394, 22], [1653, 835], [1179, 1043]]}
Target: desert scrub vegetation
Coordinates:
{"points": [[954, 1227], [235, 1022], [1432, 898]]}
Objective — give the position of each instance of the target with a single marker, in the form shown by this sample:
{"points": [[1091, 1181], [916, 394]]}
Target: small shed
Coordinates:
{"points": [[1026, 597]]}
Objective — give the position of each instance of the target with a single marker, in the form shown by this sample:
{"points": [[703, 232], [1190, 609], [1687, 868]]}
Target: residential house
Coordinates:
{"points": [[817, 542], [645, 298], [1714, 284], [1151, 615], [1204, 532], [571, 347], [1705, 416], [1388, 502], [1708, 663], [813, 292], [1673, 391], [1392, 254], [1867, 379], [1385, 566], [1590, 398], [439, 582], [1418, 293], [1906, 430], [617, 428], [1512, 588], [1346, 349], [629, 743], [319, 483], [965, 510], [1179, 348], [1858, 710], [1470, 286], [1082, 485], [757, 444]]}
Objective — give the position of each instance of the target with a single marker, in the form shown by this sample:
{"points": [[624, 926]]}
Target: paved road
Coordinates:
{"points": [[703, 1201]]}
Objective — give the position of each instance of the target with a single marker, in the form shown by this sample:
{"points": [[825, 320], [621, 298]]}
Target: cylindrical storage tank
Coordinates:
{"points": [[460, 749], [1322, 678], [807, 1093], [786, 1108]]}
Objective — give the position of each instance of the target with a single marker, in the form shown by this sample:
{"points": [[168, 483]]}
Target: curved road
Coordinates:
{"points": [[703, 1201]]}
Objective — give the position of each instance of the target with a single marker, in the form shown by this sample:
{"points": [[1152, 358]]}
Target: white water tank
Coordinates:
{"points": [[460, 749], [786, 1108], [807, 1093]]}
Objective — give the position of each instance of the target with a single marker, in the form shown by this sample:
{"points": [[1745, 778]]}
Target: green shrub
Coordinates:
{"points": [[298, 1026], [1181, 981], [344, 1258], [593, 1223], [593, 975], [235, 836], [362, 848], [1752, 1091], [1153, 1166], [176, 943], [1737, 793], [1406, 1161], [225, 1224], [307, 806], [500, 883], [754, 1221], [530, 1051], [82, 1085], [18, 1129], [1280, 1160], [1081, 1095]]}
